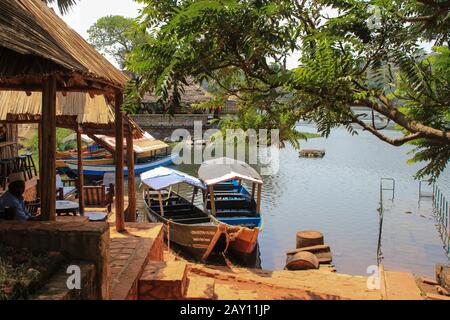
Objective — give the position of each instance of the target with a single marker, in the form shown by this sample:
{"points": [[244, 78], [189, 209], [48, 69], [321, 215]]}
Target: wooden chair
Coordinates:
{"points": [[109, 180], [33, 206], [98, 196]]}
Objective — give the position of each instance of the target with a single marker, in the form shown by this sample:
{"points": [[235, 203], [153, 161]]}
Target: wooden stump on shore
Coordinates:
{"points": [[322, 253], [309, 239], [302, 261]]}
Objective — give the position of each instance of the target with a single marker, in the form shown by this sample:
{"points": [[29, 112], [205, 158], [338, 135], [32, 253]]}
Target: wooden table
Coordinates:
{"points": [[67, 207], [96, 216]]}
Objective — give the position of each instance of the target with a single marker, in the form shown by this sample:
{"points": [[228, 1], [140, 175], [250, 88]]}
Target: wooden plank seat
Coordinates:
{"points": [[171, 200], [172, 207], [232, 195], [225, 187], [232, 204], [193, 220], [235, 213], [168, 213]]}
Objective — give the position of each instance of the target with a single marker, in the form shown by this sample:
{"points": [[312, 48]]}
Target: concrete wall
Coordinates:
{"points": [[75, 240], [162, 120]]}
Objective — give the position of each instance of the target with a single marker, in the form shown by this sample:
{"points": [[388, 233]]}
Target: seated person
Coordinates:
{"points": [[13, 198]]}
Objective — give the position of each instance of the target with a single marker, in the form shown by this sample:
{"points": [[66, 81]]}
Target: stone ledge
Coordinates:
{"points": [[75, 240], [129, 254], [163, 281]]}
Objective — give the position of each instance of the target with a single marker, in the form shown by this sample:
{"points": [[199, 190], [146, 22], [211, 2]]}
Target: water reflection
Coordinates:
{"points": [[339, 195]]}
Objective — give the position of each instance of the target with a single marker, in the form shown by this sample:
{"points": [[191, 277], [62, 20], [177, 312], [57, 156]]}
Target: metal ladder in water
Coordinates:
{"points": [[381, 212], [442, 209]]}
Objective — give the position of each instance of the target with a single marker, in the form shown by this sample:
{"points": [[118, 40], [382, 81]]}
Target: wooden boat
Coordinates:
{"points": [[89, 152], [230, 202], [99, 170], [185, 224]]}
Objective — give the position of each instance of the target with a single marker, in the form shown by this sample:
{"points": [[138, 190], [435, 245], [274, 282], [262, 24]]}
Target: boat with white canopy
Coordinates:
{"points": [[185, 224], [231, 203]]}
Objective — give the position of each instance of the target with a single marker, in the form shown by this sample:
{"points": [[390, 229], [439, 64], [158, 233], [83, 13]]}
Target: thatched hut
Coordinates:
{"points": [[40, 53]]}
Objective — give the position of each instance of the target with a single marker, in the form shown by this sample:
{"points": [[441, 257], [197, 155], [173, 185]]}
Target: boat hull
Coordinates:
{"points": [[245, 243], [100, 170], [195, 239]]}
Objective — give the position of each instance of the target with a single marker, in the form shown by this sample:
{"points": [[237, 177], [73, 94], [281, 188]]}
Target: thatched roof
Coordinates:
{"points": [[93, 114], [193, 93], [36, 42]]}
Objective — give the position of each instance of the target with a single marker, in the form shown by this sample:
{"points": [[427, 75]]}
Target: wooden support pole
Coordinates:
{"points": [[80, 171], [48, 152], [40, 148], [119, 188], [161, 205], [258, 201], [253, 190], [131, 180], [213, 200]]}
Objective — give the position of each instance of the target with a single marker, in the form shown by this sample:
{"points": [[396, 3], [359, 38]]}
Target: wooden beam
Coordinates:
{"points": [[102, 143], [80, 171], [119, 188], [253, 190], [161, 205], [213, 200], [258, 201], [131, 180], [40, 151], [48, 143]]}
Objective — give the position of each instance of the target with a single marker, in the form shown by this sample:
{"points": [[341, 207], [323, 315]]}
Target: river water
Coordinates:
{"points": [[339, 195]]}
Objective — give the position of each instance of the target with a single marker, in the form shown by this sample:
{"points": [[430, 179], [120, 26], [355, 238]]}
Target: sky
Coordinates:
{"points": [[86, 12]]}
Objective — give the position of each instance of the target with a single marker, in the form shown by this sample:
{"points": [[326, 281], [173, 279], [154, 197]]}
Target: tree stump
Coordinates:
{"points": [[302, 261], [322, 253], [309, 239]]}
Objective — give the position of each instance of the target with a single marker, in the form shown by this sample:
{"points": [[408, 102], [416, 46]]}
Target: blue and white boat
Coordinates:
{"points": [[100, 170], [231, 203]]}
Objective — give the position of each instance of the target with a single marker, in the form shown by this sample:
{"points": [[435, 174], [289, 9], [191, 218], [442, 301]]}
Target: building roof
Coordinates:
{"points": [[94, 114], [35, 42], [219, 170], [162, 178], [193, 93]]}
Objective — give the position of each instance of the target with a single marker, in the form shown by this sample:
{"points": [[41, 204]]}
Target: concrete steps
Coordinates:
{"points": [[170, 280], [200, 288], [163, 281], [399, 286]]}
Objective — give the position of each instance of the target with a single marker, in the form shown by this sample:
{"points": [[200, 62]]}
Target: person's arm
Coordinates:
{"points": [[23, 213]]}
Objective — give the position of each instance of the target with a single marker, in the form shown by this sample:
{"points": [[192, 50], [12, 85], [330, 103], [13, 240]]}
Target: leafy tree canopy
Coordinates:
{"points": [[115, 36], [352, 52], [63, 5]]}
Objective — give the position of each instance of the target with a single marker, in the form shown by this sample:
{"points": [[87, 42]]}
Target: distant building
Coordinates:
{"points": [[193, 94]]}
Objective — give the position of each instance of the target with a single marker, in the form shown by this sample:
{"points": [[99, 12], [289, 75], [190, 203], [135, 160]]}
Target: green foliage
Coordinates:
{"points": [[32, 144], [367, 53], [22, 272], [115, 36], [63, 5]]}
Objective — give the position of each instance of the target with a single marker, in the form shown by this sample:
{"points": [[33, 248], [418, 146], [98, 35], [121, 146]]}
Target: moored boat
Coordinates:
{"points": [[229, 201], [185, 224], [99, 170]]}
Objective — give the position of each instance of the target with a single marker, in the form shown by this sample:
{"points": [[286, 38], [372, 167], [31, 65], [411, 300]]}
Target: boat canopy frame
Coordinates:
{"points": [[164, 178], [220, 170]]}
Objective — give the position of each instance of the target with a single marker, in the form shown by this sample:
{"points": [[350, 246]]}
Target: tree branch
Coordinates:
{"points": [[395, 142]]}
